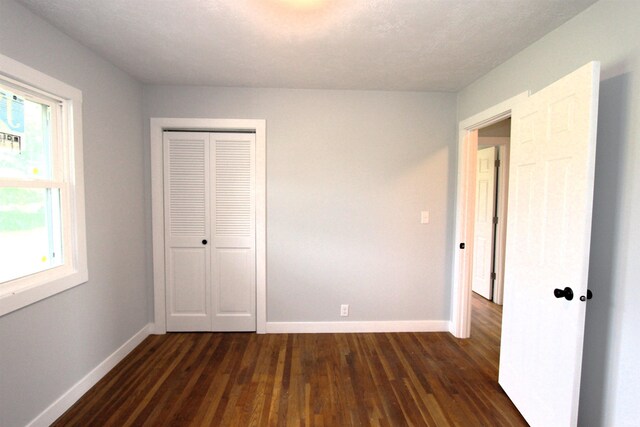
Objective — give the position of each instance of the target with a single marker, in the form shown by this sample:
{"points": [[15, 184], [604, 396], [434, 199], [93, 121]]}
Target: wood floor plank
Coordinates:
{"points": [[240, 379]]}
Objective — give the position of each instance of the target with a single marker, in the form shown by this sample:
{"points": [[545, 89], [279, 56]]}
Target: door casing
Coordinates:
{"points": [[157, 126]]}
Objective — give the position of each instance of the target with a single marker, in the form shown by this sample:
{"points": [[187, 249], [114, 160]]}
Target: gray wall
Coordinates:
{"points": [[609, 32], [348, 173], [47, 347]]}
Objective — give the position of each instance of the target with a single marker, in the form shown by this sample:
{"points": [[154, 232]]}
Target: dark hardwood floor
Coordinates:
{"points": [[238, 379]]}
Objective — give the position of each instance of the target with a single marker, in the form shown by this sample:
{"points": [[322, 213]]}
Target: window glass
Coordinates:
{"points": [[30, 214], [30, 231], [25, 137]]}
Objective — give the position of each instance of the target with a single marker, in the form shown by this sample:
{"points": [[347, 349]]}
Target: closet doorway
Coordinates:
{"points": [[209, 237], [209, 198]]}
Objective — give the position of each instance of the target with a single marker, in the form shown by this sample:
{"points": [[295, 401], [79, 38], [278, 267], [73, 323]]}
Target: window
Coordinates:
{"points": [[30, 208], [42, 236]]}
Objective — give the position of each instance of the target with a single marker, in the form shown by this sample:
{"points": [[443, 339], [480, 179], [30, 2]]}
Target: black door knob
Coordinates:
{"points": [[204, 242], [565, 293]]}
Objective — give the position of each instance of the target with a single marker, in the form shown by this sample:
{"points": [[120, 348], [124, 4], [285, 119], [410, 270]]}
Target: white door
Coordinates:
{"points": [[234, 244], [548, 236], [483, 229], [187, 230], [210, 231]]}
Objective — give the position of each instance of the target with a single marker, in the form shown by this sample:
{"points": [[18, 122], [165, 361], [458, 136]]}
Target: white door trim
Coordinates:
{"points": [[462, 259], [157, 126]]}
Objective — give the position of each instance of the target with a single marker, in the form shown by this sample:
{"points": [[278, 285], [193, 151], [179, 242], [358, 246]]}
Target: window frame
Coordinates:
{"points": [[66, 174]]}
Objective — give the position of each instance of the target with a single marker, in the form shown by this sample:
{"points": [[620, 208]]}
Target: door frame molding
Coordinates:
{"points": [[465, 201], [157, 126]]}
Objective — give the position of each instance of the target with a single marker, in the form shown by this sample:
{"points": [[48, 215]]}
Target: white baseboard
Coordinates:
{"points": [[71, 396], [346, 327]]}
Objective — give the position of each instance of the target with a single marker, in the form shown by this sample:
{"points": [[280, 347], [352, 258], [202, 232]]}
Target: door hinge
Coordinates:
{"points": [[495, 219], [497, 163], [493, 276]]}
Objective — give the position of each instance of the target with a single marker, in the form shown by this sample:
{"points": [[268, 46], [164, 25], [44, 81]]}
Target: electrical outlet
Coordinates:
{"points": [[424, 217], [344, 310]]}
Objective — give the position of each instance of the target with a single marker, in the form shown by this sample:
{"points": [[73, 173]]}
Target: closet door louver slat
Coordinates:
{"points": [[187, 198], [233, 188]]}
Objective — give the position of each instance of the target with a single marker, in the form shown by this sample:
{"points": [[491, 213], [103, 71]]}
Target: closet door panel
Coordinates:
{"points": [[233, 281], [234, 276], [187, 230]]}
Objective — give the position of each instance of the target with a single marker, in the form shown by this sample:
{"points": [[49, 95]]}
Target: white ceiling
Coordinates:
{"points": [[440, 45]]}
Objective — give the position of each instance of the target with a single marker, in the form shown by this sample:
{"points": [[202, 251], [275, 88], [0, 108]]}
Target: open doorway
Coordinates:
{"points": [[492, 163], [489, 230], [465, 210]]}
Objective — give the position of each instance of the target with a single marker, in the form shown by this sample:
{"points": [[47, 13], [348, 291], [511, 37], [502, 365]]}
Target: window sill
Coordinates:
{"points": [[22, 292]]}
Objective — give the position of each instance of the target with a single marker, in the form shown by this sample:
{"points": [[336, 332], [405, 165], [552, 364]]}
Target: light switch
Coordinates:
{"points": [[424, 217]]}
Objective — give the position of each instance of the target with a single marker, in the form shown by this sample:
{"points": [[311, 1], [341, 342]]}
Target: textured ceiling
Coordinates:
{"points": [[438, 45]]}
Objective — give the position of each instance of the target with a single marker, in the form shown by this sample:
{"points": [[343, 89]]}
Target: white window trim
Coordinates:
{"points": [[30, 289]]}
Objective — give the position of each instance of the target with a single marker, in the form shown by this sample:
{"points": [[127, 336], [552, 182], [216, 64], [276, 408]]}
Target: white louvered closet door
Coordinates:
{"points": [[210, 231], [187, 231], [233, 225]]}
